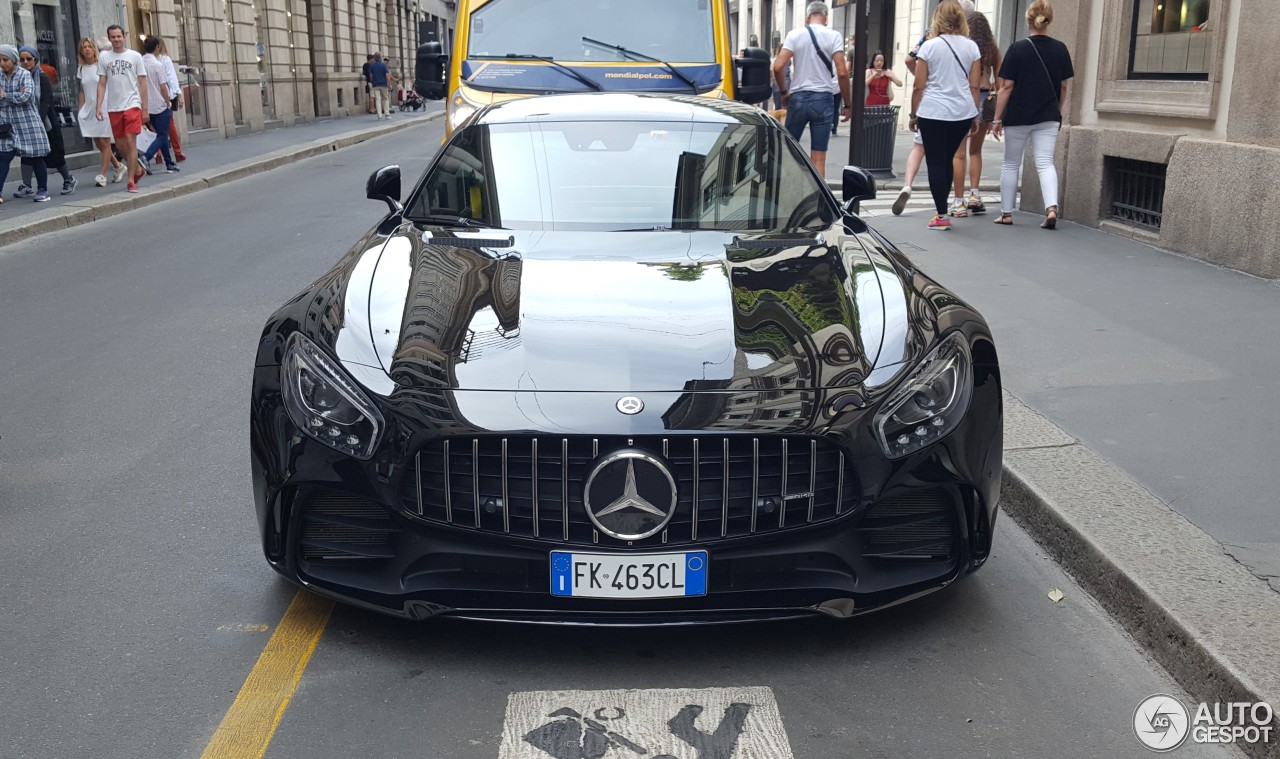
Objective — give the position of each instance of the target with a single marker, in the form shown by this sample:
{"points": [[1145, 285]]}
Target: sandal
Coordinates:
{"points": [[1004, 219], [1050, 218]]}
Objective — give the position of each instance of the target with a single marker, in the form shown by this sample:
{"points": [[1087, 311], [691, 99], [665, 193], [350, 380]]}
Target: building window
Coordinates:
{"points": [[1172, 39]]}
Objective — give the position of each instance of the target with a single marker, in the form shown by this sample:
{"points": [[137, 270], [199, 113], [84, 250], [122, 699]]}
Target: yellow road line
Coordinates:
{"points": [[249, 724]]}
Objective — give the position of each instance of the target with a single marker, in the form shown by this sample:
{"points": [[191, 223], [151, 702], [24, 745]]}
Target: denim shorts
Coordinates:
{"points": [[815, 110]]}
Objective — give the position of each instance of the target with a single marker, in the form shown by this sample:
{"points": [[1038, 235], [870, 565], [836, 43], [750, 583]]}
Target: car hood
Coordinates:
{"points": [[610, 312]]}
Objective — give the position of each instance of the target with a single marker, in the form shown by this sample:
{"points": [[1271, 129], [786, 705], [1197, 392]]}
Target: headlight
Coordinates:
{"points": [[929, 403], [325, 403], [459, 109]]}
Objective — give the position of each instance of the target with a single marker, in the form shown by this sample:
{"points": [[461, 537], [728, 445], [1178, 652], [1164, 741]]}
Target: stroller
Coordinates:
{"points": [[411, 101]]}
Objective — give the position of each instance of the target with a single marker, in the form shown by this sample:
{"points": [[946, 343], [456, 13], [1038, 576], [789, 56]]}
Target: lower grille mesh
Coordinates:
{"points": [[911, 527], [338, 526]]}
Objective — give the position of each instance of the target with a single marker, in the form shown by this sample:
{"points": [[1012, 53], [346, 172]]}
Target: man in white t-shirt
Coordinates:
{"points": [[819, 72], [122, 94], [157, 86]]}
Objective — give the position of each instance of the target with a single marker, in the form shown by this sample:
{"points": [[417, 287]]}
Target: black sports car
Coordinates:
{"points": [[625, 359]]}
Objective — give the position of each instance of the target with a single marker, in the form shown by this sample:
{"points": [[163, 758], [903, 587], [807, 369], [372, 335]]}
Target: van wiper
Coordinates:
{"points": [[548, 59], [677, 73], [442, 220]]}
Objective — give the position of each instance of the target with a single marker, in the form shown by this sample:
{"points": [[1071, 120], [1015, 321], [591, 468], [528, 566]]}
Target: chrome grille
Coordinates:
{"points": [[729, 486]]}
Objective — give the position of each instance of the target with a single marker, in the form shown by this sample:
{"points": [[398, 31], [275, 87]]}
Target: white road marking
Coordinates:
{"points": [[684, 723]]}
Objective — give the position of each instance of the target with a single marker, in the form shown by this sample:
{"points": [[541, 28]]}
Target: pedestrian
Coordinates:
{"points": [[944, 100], [157, 85], [175, 100], [29, 59], [368, 84], [379, 75], [122, 96], [819, 71], [965, 204], [90, 128], [916, 156], [836, 97], [880, 80], [21, 130], [1029, 109], [776, 88]]}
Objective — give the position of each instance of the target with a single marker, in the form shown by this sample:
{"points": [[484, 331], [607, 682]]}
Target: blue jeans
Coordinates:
{"points": [[815, 110], [160, 122]]}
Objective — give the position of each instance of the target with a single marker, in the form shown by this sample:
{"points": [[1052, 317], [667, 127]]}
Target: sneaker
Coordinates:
{"points": [[118, 175], [171, 168], [24, 191], [132, 187], [901, 202], [940, 223], [958, 209], [100, 180], [975, 204], [41, 197], [69, 185], [146, 168]]}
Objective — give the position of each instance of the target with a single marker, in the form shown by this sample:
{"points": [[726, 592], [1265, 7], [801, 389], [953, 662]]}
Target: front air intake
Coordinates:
{"points": [[916, 526], [337, 526]]}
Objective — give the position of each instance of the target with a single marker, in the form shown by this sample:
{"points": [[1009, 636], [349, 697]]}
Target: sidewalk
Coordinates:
{"points": [[1140, 432], [838, 156], [208, 164]]}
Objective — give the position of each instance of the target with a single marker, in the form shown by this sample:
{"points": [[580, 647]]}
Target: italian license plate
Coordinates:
{"points": [[654, 575]]}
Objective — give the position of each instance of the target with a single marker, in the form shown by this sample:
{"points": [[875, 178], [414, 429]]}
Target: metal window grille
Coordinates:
{"points": [[1138, 187]]}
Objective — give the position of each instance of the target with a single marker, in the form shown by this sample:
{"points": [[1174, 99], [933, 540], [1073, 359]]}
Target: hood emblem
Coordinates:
{"points": [[630, 405], [630, 495]]}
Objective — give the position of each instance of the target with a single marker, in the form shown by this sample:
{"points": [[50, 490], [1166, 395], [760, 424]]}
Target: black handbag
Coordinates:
{"points": [[6, 131]]}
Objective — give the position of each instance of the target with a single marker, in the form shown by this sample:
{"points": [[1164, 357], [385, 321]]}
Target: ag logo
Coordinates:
{"points": [[1161, 723]]}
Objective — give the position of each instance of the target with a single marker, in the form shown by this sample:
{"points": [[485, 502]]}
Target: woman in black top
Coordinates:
{"points": [[1029, 109]]}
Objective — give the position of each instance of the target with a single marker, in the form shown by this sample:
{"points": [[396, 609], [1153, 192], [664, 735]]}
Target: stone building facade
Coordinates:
{"points": [[1171, 133], [247, 65]]}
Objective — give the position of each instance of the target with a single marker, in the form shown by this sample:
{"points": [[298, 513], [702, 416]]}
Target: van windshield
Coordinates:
{"points": [[625, 176], [678, 31]]}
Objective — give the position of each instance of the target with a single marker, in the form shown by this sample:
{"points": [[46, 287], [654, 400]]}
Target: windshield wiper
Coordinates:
{"points": [[441, 220], [568, 70], [677, 73]]}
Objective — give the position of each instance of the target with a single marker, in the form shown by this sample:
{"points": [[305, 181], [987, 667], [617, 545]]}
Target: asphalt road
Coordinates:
{"points": [[135, 601]]}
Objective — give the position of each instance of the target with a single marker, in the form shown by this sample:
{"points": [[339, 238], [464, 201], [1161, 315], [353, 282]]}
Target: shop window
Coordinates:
{"points": [[1172, 39]]}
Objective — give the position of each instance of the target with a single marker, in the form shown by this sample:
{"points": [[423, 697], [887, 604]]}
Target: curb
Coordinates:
{"points": [[71, 214], [1207, 620]]}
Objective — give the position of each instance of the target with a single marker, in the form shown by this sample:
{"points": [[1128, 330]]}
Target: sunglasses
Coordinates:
{"points": [[26, 59]]}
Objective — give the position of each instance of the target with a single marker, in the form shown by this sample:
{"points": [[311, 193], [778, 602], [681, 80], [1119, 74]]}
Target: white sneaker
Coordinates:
{"points": [[901, 202], [100, 180], [119, 173]]}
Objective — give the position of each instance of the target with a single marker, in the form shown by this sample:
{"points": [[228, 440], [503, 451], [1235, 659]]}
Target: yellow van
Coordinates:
{"points": [[506, 49]]}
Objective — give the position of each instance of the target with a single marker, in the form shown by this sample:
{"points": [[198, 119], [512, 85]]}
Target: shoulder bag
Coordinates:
{"points": [[821, 56]]}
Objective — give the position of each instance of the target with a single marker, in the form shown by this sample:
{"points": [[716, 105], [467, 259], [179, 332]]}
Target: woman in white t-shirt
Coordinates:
{"points": [[90, 127], [944, 101]]}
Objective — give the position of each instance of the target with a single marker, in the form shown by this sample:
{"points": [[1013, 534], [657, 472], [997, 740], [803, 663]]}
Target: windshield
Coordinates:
{"points": [[625, 175], [670, 30]]}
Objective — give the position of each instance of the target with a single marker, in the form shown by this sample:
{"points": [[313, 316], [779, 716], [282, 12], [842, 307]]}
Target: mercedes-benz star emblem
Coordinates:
{"points": [[630, 405], [638, 491]]}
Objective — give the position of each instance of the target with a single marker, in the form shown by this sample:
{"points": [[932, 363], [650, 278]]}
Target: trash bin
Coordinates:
{"points": [[879, 123]]}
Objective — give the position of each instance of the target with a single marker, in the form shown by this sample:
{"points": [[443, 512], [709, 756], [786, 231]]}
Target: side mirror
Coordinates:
{"points": [[384, 185], [857, 184], [752, 85], [431, 63]]}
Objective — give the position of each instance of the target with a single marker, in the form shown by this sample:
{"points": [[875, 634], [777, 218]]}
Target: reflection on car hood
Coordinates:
{"points": [[653, 311]]}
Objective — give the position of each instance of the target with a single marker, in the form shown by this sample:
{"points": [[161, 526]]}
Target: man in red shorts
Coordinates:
{"points": [[122, 92]]}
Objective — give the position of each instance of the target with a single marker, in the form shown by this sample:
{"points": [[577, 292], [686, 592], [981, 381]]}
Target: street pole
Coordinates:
{"points": [[857, 77]]}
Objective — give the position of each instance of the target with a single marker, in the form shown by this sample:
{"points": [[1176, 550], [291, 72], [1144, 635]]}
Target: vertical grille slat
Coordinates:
{"points": [[755, 481], [533, 471], [741, 486], [448, 489]]}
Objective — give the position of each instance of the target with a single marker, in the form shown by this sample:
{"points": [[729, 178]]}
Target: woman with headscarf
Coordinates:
{"points": [[21, 131], [29, 59]]}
